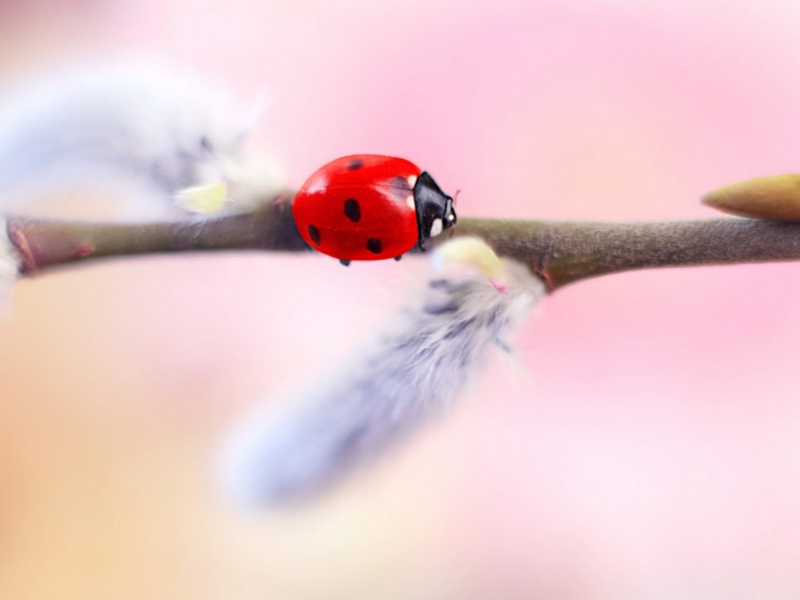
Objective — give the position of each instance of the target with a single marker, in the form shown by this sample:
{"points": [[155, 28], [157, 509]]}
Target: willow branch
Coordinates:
{"points": [[565, 252], [560, 252]]}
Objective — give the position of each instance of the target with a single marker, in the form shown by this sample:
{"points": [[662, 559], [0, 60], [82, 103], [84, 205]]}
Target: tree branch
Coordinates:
{"points": [[560, 252], [565, 252]]}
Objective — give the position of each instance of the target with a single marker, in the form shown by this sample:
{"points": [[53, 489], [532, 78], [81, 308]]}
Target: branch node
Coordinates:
{"points": [[84, 251], [540, 269], [28, 263]]}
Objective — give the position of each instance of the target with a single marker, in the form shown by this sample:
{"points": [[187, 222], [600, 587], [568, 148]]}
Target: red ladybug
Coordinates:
{"points": [[370, 207]]}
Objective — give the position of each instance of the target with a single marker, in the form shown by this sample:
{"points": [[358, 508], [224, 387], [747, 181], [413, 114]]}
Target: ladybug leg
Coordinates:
{"points": [[397, 258], [346, 263]]}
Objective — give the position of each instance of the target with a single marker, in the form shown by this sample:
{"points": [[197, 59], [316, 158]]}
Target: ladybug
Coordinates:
{"points": [[370, 207]]}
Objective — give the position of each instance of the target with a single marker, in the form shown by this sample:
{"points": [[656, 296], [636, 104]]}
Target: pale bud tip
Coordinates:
{"points": [[472, 252], [775, 198], [203, 199]]}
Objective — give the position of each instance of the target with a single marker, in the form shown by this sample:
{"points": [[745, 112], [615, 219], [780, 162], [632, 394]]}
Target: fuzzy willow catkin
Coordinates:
{"points": [[145, 139], [470, 303]]}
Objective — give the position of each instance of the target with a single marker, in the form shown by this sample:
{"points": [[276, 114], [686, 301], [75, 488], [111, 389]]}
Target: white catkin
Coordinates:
{"points": [[9, 268], [410, 375], [139, 133]]}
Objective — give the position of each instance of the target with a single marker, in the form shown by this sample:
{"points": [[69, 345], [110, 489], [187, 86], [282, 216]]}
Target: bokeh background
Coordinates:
{"points": [[646, 446]]}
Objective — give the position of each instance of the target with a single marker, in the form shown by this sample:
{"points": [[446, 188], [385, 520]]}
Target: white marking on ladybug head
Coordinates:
{"points": [[450, 217], [412, 179], [436, 227], [411, 204]]}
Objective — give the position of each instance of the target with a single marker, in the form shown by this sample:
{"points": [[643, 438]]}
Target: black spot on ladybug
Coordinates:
{"points": [[313, 233], [352, 210], [374, 245], [355, 164]]}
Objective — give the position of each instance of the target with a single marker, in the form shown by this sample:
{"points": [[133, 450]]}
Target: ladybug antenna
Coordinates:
{"points": [[455, 197]]}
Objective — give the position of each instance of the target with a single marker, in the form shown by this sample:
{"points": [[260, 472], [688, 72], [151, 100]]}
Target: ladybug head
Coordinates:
{"points": [[435, 211]]}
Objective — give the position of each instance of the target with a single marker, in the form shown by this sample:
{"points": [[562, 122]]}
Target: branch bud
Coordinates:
{"points": [[775, 198]]}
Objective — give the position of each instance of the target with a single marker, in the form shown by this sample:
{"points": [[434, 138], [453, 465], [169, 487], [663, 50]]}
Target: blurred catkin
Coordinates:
{"points": [[411, 373]]}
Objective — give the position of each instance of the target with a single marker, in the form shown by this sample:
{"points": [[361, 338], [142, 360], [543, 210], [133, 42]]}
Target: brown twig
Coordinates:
{"points": [[560, 252]]}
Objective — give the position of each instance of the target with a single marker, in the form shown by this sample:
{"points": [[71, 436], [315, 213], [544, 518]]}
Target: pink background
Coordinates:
{"points": [[649, 446]]}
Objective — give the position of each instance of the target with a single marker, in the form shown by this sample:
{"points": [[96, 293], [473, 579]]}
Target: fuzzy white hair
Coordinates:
{"points": [[142, 133], [411, 374]]}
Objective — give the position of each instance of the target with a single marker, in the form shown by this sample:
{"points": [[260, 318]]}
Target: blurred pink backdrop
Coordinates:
{"points": [[647, 448]]}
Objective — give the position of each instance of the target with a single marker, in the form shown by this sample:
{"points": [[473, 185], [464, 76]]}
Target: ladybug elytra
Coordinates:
{"points": [[370, 207]]}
